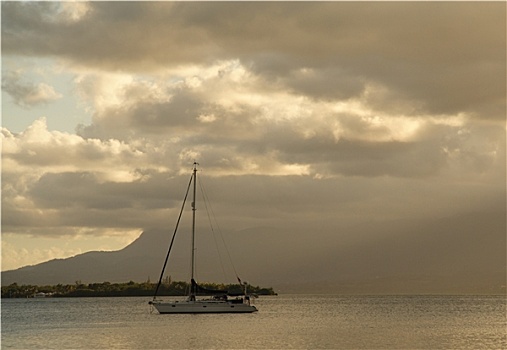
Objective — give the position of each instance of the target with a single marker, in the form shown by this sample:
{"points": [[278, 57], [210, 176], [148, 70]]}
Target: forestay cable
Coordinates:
{"points": [[172, 240]]}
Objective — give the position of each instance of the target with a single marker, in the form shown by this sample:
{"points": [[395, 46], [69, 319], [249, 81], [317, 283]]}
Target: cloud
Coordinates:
{"points": [[55, 183], [58, 151], [443, 58], [27, 94], [50, 180], [268, 131]]}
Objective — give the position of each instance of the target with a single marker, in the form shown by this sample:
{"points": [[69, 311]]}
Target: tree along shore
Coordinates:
{"points": [[107, 289]]}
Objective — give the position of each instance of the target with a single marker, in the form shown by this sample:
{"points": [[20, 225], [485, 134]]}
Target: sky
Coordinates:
{"points": [[306, 117]]}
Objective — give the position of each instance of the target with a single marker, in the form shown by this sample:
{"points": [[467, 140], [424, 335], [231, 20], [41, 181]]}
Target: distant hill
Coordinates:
{"points": [[140, 260], [460, 254]]}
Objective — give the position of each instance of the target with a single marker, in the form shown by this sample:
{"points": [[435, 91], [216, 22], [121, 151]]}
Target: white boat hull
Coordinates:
{"points": [[202, 307]]}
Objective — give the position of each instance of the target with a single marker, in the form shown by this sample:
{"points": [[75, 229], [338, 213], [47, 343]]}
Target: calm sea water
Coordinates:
{"points": [[283, 322]]}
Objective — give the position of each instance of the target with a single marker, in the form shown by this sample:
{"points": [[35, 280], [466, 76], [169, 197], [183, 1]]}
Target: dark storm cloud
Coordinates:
{"points": [[177, 114], [77, 199], [430, 153], [85, 190], [447, 57]]}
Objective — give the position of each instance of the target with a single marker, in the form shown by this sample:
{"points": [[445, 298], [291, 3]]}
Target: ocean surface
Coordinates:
{"points": [[283, 322]]}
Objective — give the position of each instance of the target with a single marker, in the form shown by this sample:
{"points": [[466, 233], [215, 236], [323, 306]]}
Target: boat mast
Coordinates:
{"points": [[192, 291]]}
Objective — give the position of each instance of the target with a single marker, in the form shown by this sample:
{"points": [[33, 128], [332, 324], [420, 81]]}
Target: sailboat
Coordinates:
{"points": [[199, 299]]}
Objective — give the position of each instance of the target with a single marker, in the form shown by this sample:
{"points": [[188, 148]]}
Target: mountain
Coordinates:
{"points": [[464, 254], [460, 254], [140, 260]]}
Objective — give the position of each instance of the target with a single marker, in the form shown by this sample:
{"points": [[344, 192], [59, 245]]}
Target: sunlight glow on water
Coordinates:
{"points": [[283, 322]]}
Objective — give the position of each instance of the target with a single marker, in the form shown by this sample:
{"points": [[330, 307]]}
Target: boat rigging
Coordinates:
{"points": [[215, 301]]}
